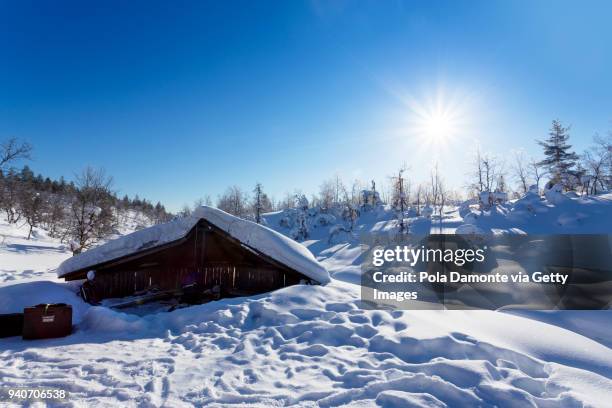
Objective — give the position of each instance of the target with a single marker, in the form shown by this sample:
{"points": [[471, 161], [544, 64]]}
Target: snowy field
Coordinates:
{"points": [[313, 346]]}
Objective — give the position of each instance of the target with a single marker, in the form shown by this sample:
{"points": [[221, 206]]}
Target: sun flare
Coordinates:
{"points": [[438, 121], [435, 120], [438, 127]]}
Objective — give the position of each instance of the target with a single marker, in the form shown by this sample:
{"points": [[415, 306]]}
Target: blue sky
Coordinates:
{"points": [[181, 99]]}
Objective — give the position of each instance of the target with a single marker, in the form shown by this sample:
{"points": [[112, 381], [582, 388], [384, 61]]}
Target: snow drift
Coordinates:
{"points": [[310, 345]]}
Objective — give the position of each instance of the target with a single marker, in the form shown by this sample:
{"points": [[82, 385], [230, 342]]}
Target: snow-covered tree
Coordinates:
{"points": [[559, 158], [370, 198], [501, 184], [300, 231], [400, 198]]}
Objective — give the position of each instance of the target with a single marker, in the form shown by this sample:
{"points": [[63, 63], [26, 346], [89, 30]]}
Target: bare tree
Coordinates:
{"points": [[234, 202], [356, 195], [537, 172], [597, 163], [439, 196], [287, 202], [12, 150], [199, 202], [520, 171], [443, 198], [338, 189], [435, 184], [419, 193], [186, 211], [486, 171], [489, 169], [91, 215], [32, 207], [327, 195], [477, 176], [55, 214], [9, 196]]}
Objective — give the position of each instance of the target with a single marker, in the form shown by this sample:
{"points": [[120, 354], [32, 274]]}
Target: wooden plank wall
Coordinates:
{"points": [[205, 257]]}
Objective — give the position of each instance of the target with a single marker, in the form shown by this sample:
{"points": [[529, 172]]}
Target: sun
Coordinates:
{"points": [[437, 126], [436, 123]]}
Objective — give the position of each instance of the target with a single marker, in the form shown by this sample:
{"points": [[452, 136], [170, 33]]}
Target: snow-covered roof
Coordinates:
{"points": [[256, 236]]}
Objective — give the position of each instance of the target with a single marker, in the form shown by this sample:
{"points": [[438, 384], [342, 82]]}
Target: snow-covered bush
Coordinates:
{"points": [[370, 199], [554, 194], [323, 220], [427, 211], [488, 198]]}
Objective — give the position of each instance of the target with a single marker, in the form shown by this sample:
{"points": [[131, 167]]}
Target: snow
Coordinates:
{"points": [[312, 345], [256, 236], [154, 236], [556, 213], [267, 241], [555, 194], [14, 298], [21, 258], [468, 229], [427, 211], [304, 344]]}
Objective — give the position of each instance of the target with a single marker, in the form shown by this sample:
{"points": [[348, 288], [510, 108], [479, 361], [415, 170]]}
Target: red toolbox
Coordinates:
{"points": [[47, 320]]}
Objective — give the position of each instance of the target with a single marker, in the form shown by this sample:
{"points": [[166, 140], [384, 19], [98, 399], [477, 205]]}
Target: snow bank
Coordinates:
{"points": [[555, 194], [468, 229], [256, 236], [14, 298], [314, 346], [555, 213]]}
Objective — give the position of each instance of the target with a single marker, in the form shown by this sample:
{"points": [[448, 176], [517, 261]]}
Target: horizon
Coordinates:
{"points": [[180, 102]]}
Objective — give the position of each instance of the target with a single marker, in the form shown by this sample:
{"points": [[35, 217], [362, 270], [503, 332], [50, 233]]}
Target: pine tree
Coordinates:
{"points": [[257, 202], [559, 158], [261, 204]]}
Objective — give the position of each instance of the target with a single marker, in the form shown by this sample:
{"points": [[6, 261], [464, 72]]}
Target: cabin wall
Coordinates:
{"points": [[206, 257]]}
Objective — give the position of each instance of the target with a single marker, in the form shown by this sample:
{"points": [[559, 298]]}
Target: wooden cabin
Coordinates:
{"points": [[211, 249]]}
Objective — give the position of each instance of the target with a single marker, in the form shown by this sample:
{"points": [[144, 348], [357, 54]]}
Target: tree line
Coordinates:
{"points": [[513, 176], [86, 210], [80, 212], [586, 173]]}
